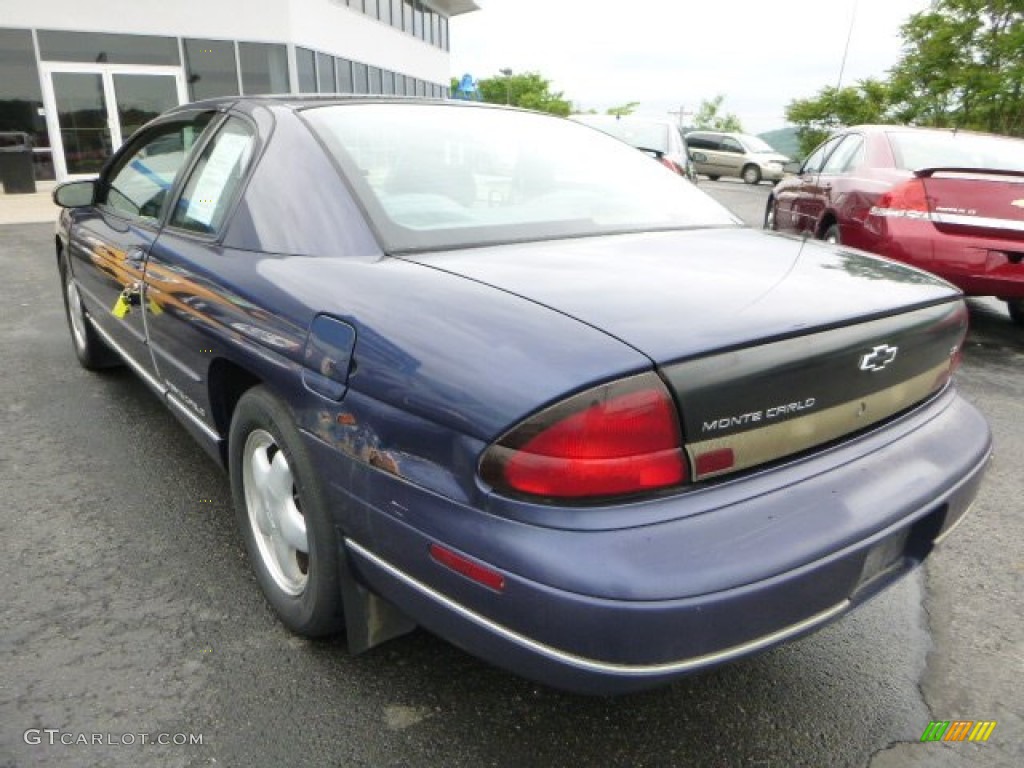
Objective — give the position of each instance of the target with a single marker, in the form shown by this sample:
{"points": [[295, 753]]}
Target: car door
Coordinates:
{"points": [[730, 156], [189, 307], [110, 240], [700, 145], [832, 186], [799, 202]]}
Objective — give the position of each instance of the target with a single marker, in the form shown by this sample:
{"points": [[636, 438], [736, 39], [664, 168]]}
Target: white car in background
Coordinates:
{"points": [[746, 157], [661, 138]]}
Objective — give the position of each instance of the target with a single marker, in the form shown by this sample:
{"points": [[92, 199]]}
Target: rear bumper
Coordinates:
{"points": [[879, 510], [978, 265]]}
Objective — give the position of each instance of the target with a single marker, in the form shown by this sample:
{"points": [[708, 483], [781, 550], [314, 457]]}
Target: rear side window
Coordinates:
{"points": [[701, 141], [731, 145], [207, 196], [139, 185]]}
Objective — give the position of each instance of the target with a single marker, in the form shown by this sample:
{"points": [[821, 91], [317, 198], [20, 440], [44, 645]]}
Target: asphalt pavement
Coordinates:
{"points": [[129, 609]]}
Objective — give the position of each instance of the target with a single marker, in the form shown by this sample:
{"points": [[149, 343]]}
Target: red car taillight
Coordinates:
{"points": [[672, 165], [908, 197], [619, 438]]}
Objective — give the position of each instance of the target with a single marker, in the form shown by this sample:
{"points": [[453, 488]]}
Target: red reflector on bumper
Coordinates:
{"points": [[468, 568], [715, 461]]}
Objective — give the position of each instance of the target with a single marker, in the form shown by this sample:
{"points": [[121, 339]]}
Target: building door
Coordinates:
{"points": [[91, 109]]}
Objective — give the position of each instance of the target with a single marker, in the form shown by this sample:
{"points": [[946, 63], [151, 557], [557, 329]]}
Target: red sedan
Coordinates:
{"points": [[950, 202]]}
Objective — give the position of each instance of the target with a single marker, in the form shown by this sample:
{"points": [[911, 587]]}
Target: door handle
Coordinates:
{"points": [[135, 256]]}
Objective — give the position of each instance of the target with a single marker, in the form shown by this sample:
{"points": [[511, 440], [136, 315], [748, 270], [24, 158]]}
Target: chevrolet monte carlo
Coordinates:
{"points": [[496, 374]]}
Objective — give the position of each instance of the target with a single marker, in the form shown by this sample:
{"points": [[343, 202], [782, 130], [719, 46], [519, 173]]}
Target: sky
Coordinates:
{"points": [[760, 54]]}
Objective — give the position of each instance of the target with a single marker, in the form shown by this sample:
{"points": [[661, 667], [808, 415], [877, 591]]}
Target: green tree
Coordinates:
{"points": [[963, 66], [623, 109], [869, 101], [708, 116], [529, 90]]}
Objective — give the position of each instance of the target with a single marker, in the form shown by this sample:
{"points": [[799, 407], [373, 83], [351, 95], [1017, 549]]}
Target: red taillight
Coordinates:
{"points": [[616, 439], [908, 196], [672, 165]]}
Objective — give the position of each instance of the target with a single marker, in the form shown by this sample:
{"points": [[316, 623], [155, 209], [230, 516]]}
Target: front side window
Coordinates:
{"points": [[472, 176], [207, 197], [139, 184], [731, 145], [816, 159]]}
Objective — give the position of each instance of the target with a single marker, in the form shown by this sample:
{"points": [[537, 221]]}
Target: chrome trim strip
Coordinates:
{"points": [[983, 222], [945, 534], [184, 410], [773, 441], [135, 366], [159, 388], [593, 665]]}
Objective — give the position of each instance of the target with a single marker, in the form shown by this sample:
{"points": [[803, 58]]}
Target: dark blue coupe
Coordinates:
{"points": [[497, 374]]}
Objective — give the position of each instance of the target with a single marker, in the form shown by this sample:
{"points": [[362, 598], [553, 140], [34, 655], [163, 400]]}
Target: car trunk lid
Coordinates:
{"points": [[975, 201], [771, 346]]}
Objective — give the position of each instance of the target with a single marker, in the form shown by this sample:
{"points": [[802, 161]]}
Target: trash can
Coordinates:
{"points": [[16, 171]]}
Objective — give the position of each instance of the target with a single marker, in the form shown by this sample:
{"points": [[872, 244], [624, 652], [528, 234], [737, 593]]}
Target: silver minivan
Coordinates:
{"points": [[750, 158]]}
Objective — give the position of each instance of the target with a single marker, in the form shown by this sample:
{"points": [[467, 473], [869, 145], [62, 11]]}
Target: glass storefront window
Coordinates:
{"points": [[359, 79], [82, 113], [305, 65], [375, 80], [387, 82], [325, 72], [141, 98], [210, 68], [21, 101], [344, 71], [407, 16], [264, 68], [103, 48]]}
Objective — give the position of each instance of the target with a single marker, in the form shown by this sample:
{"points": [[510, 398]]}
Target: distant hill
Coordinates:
{"points": [[784, 140]]}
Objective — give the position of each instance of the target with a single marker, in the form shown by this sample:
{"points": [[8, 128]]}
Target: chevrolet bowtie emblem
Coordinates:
{"points": [[878, 357]]}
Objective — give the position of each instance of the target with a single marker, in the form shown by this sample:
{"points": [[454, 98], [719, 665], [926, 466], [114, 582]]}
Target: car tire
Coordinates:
{"points": [[1016, 307], [284, 518], [714, 178], [769, 215], [832, 235], [92, 353], [751, 174]]}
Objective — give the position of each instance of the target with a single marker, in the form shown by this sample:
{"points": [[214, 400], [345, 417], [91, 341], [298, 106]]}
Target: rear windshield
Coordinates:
{"points": [[433, 176], [914, 150], [637, 133]]}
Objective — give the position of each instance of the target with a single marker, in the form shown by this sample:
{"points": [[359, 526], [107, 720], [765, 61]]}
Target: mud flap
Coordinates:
{"points": [[369, 619]]}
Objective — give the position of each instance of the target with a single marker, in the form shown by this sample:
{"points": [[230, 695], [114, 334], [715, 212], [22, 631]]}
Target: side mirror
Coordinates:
{"points": [[75, 194], [793, 166]]}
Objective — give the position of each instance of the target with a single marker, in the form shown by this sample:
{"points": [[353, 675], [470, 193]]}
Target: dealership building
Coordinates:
{"points": [[80, 77]]}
